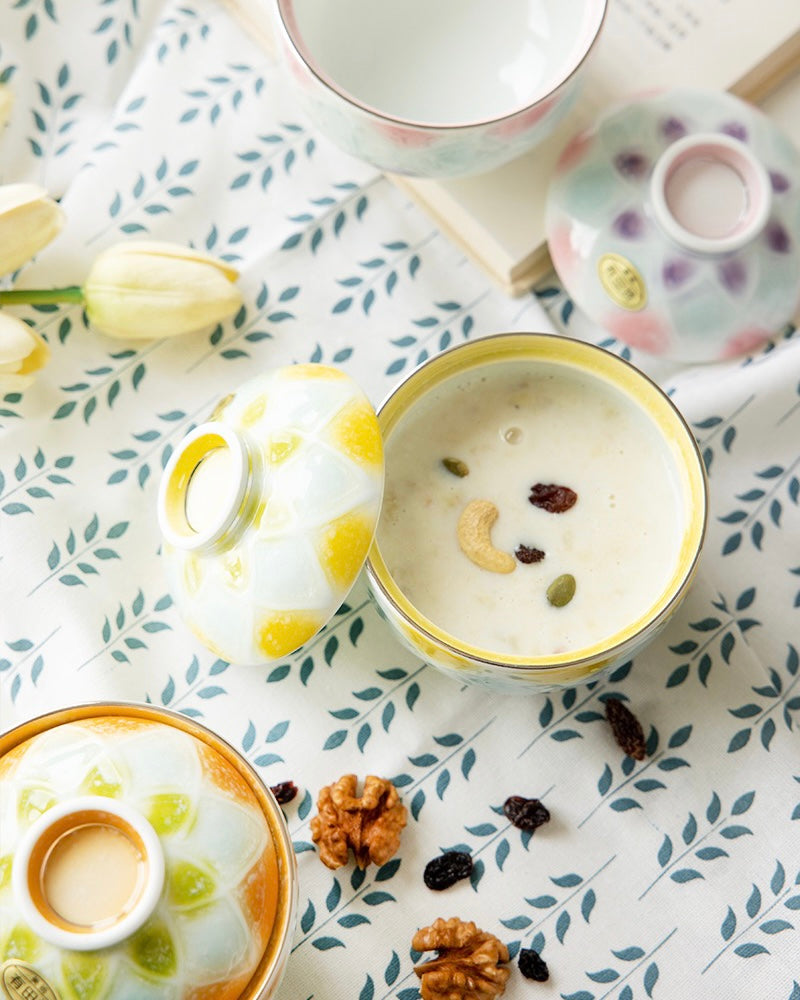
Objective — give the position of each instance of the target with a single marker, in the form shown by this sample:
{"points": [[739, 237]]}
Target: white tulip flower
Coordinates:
{"points": [[22, 354], [29, 220], [146, 290]]}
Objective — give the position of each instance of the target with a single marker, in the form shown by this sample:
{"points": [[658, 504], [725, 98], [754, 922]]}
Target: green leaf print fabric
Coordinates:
{"points": [[674, 876]]}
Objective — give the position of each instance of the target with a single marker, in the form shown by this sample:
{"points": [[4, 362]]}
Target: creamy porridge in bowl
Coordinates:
{"points": [[544, 508]]}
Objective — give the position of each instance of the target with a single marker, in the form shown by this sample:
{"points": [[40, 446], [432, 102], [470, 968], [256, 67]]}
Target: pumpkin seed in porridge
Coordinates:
{"points": [[557, 457]]}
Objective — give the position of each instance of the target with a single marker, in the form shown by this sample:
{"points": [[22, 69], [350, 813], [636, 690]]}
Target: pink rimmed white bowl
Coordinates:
{"points": [[437, 89]]}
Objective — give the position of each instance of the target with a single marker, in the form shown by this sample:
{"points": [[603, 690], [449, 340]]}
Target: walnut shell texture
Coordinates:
{"points": [[369, 824], [467, 966]]}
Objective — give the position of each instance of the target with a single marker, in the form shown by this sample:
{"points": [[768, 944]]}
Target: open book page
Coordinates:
{"points": [[747, 46], [739, 45], [783, 107]]}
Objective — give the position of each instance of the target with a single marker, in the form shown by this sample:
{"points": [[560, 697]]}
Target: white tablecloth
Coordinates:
{"points": [[677, 876]]}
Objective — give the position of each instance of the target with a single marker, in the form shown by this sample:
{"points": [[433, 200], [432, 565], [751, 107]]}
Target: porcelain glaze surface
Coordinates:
{"points": [[227, 896], [437, 91], [656, 277], [281, 550]]}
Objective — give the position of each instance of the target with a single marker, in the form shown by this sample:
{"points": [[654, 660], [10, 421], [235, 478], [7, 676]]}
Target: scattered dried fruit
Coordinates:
{"points": [[467, 966], [456, 467], [370, 824], [474, 537], [532, 965], [447, 869], [526, 814], [284, 792], [527, 554], [553, 498], [561, 590], [627, 729]]}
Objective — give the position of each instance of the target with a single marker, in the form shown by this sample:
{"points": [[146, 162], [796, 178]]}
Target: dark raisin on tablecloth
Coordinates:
{"points": [[626, 728], [532, 965], [447, 869], [526, 814], [284, 792]]}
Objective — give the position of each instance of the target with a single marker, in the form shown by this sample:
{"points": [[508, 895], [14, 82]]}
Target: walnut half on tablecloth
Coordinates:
{"points": [[369, 824], [467, 966]]}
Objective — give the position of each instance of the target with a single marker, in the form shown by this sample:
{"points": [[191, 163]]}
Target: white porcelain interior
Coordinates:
{"points": [[41, 842], [212, 469], [710, 194], [451, 62]]}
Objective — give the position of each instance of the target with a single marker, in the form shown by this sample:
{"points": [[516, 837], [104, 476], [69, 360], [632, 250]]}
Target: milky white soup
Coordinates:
{"points": [[516, 424]]}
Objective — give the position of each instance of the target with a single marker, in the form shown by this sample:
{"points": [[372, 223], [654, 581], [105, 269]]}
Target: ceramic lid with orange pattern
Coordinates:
{"points": [[137, 860], [268, 511]]}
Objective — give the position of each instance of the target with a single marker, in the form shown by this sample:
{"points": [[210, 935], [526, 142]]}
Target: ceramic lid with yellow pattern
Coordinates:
{"points": [[139, 858], [268, 511]]}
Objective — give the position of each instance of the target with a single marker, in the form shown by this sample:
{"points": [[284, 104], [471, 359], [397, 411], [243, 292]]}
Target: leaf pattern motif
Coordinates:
{"points": [[162, 119]]}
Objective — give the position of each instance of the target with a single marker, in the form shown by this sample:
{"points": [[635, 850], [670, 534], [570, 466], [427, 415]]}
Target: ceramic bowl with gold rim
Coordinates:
{"points": [[544, 509], [268, 509], [674, 222], [140, 856], [437, 89]]}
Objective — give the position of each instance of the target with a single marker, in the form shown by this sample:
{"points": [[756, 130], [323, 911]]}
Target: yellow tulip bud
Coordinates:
{"points": [[148, 290], [22, 354], [6, 103], [29, 220]]}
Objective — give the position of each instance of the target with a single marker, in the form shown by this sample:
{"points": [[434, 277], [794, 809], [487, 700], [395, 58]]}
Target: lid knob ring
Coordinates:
{"points": [[50, 856], [203, 487], [710, 194]]}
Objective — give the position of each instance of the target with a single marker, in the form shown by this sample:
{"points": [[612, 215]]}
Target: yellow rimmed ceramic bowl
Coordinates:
{"points": [[500, 420], [140, 856]]}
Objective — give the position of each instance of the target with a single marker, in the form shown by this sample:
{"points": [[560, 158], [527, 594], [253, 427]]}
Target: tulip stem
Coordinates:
{"points": [[41, 296]]}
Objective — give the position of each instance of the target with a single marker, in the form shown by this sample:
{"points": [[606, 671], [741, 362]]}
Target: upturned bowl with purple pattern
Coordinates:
{"points": [[674, 223], [438, 89]]}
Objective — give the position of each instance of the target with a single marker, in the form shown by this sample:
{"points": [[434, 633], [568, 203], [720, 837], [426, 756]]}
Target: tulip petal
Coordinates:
{"points": [[14, 196], [156, 248], [153, 290], [6, 103], [29, 220], [22, 353]]}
